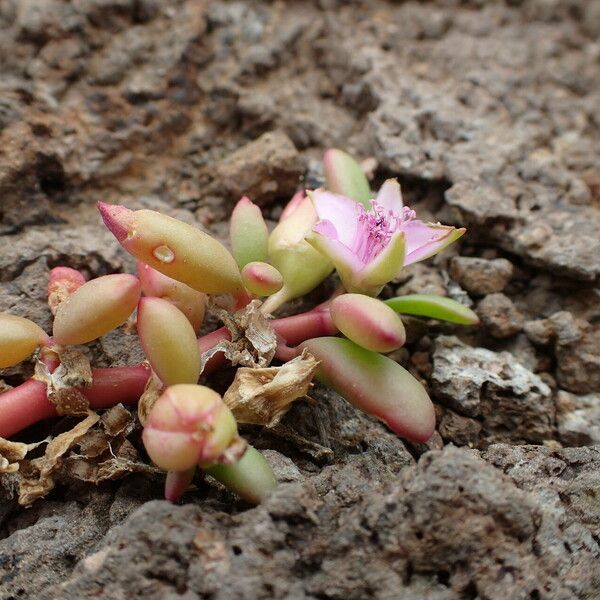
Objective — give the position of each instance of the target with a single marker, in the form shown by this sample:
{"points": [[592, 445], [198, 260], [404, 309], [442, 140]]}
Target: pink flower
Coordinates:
{"points": [[369, 247]]}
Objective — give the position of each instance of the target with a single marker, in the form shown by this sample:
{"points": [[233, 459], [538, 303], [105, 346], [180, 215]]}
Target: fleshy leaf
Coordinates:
{"points": [[97, 307], [302, 267], [368, 322], [188, 425], [248, 233], [251, 478], [344, 176], [19, 337], [435, 307], [376, 384], [261, 279], [169, 341], [174, 248], [189, 301]]}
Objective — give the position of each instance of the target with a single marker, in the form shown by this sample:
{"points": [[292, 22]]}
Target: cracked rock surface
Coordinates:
{"points": [[487, 113]]}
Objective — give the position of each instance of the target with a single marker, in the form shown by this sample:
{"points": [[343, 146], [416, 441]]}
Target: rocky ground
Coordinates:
{"points": [[488, 113]]}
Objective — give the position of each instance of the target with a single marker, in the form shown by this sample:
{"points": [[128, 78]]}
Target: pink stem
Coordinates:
{"points": [[291, 331], [28, 403], [177, 483], [298, 328], [286, 353]]}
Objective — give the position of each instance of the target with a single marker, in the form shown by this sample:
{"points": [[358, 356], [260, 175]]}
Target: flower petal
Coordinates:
{"points": [[424, 240], [390, 196], [339, 210], [326, 228], [386, 265], [345, 261]]}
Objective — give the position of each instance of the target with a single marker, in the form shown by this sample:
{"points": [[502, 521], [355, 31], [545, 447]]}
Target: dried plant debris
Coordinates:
{"points": [[13, 452], [253, 340], [105, 452], [38, 474], [263, 396], [153, 390], [73, 373], [95, 450]]}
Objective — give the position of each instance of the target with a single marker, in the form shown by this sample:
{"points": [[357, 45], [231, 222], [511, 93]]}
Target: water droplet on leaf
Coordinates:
{"points": [[164, 254]]}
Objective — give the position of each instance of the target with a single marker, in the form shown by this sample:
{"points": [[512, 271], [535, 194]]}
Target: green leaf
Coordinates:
{"points": [[345, 177], [375, 384], [251, 478], [248, 233], [435, 307]]}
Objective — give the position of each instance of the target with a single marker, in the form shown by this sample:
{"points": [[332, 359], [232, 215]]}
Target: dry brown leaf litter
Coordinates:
{"points": [[263, 396], [253, 340], [73, 373]]}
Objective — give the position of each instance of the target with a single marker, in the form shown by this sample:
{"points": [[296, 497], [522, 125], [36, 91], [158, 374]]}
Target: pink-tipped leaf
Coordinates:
{"points": [[261, 279], [375, 384], [368, 322], [188, 425], [174, 248]]}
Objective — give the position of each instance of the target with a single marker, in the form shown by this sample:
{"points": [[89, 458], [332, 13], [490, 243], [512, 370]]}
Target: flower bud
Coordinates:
{"points": [[169, 341], [19, 337], [368, 322], [248, 233], [301, 266], [188, 425], [251, 478], [174, 248], [189, 301], [261, 279], [97, 307], [345, 177], [375, 384]]}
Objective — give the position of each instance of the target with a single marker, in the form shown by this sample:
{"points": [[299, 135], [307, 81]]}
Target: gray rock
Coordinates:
{"points": [[561, 480], [43, 545], [578, 361], [460, 430], [268, 168], [578, 419], [500, 316], [446, 528], [480, 276], [576, 347], [511, 402]]}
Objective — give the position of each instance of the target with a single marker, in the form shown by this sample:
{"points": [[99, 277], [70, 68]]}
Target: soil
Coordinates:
{"points": [[489, 115]]}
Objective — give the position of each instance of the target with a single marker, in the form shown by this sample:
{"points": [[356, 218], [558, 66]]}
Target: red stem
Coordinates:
{"points": [[290, 331], [28, 403]]}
